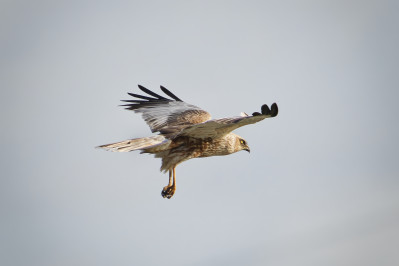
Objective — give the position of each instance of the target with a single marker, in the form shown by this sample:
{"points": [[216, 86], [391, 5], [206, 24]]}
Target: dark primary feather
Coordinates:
{"points": [[274, 110], [151, 93], [148, 101], [265, 110], [171, 95], [133, 101], [141, 97]]}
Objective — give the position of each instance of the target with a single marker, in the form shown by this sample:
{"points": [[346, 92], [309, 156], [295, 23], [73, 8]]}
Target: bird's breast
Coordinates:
{"points": [[208, 147]]}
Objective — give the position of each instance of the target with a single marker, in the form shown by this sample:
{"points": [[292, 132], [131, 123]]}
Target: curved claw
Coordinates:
{"points": [[168, 191]]}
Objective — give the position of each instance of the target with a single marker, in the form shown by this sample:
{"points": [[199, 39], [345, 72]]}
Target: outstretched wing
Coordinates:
{"points": [[219, 127], [162, 114]]}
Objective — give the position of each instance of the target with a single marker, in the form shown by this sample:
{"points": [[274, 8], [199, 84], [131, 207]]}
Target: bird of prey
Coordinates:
{"points": [[185, 131]]}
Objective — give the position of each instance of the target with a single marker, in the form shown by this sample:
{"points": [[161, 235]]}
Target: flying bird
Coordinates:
{"points": [[185, 131]]}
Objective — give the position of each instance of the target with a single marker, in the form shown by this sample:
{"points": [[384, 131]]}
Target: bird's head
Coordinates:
{"points": [[242, 144]]}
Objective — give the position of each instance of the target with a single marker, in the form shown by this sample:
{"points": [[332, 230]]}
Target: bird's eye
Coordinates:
{"points": [[242, 141]]}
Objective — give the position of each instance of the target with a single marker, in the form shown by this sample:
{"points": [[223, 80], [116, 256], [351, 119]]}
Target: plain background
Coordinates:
{"points": [[320, 186]]}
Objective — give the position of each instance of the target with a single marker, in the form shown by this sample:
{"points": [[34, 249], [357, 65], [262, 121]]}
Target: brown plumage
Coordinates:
{"points": [[185, 132]]}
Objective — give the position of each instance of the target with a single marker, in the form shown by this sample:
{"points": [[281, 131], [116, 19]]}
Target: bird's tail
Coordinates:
{"points": [[135, 144]]}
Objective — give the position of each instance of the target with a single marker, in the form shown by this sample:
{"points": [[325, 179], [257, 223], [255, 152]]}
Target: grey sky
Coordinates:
{"points": [[320, 186]]}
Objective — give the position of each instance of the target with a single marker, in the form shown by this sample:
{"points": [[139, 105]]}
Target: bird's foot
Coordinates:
{"points": [[168, 191]]}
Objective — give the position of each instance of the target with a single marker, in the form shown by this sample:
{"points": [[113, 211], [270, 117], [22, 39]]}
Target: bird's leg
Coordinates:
{"points": [[170, 179], [170, 189]]}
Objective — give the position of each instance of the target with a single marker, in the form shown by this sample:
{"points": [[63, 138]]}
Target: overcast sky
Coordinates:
{"points": [[320, 186]]}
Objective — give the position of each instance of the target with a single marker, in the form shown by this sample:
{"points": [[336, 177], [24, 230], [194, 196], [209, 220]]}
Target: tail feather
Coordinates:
{"points": [[134, 144]]}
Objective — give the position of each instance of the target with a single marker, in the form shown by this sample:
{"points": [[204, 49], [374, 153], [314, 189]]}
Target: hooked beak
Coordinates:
{"points": [[247, 149]]}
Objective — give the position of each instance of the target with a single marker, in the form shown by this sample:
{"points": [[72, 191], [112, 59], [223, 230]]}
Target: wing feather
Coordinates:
{"points": [[160, 112], [219, 127], [151, 93], [167, 92], [141, 97]]}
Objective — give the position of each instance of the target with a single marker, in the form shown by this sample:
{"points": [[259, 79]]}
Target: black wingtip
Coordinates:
{"points": [[170, 94], [274, 110], [151, 93], [141, 97], [265, 110]]}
